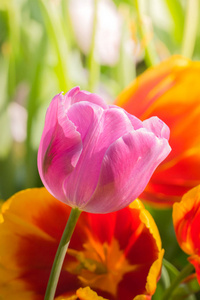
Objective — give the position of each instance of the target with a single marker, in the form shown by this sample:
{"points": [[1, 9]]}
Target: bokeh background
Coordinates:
{"points": [[49, 46]]}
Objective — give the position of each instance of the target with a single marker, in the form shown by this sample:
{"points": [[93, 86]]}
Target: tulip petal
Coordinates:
{"points": [[134, 156], [59, 149], [105, 128], [186, 215], [137, 234], [186, 221], [195, 261], [84, 96], [136, 123], [81, 294], [158, 127], [76, 96], [85, 116], [31, 228]]}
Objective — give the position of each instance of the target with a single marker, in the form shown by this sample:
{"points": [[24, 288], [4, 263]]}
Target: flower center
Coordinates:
{"points": [[99, 266]]}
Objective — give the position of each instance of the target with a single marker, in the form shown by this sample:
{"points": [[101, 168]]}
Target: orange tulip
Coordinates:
{"points": [[186, 216], [170, 91], [118, 255]]}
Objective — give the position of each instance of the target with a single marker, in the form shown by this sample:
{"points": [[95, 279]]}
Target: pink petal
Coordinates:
{"points": [[104, 129], [126, 169], [59, 149], [68, 98], [84, 115], [158, 127], [81, 96], [136, 123]]}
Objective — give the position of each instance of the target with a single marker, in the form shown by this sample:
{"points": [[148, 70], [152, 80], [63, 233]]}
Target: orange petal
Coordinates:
{"points": [[171, 92], [142, 297], [195, 260], [31, 227], [184, 215]]}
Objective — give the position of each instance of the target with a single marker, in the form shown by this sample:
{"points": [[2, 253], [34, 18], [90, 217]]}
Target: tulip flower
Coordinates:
{"points": [[170, 91], [116, 256], [97, 157], [186, 215]]}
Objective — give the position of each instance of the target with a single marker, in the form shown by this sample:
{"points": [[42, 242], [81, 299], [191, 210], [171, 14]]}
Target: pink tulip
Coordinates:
{"points": [[98, 157]]}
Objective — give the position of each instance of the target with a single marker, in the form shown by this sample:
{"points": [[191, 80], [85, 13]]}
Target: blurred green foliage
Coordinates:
{"points": [[40, 56]]}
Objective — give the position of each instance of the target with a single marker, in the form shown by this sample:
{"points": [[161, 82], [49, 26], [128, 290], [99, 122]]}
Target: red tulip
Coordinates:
{"points": [[117, 255]]}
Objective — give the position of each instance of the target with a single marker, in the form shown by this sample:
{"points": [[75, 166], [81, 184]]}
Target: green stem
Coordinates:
{"points": [[182, 275], [177, 15], [60, 254], [170, 267], [190, 28], [151, 57], [14, 40], [126, 66], [165, 277], [57, 35], [32, 107], [92, 64]]}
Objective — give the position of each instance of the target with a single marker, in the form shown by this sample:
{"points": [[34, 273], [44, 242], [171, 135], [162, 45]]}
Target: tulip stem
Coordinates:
{"points": [[151, 57], [190, 27], [182, 275], [60, 254], [92, 63]]}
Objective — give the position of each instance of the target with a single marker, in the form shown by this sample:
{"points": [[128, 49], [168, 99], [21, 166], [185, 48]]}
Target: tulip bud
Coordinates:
{"points": [[98, 157]]}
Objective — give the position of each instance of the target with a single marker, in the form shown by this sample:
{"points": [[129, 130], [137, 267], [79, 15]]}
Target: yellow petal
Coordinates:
{"points": [[82, 294], [87, 294]]}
